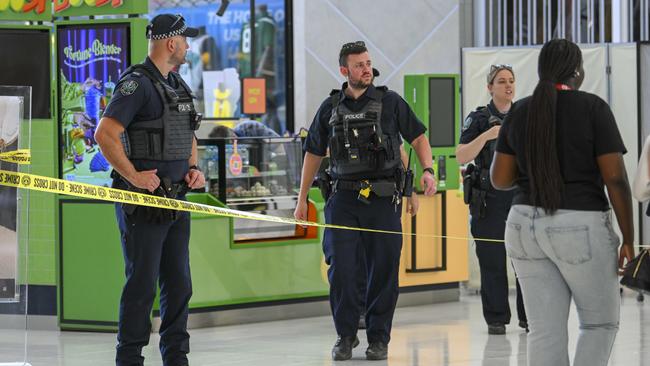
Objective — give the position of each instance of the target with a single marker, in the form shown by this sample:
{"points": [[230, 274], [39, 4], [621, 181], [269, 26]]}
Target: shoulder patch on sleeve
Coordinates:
{"points": [[129, 87], [467, 123]]}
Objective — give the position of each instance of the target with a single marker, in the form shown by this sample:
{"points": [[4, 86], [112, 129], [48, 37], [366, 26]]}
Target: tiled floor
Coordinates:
{"points": [[444, 334]]}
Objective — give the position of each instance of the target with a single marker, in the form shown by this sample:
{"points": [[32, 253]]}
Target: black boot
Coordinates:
{"points": [[343, 348], [377, 351], [497, 328], [524, 324]]}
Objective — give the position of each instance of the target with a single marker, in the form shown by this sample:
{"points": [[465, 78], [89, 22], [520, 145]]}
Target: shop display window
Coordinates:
{"points": [[255, 174], [227, 52]]}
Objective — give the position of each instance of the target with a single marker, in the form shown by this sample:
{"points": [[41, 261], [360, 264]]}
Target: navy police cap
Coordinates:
{"points": [[168, 25]]}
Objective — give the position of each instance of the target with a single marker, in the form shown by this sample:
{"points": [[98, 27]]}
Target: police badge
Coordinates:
{"points": [[467, 123], [128, 87]]}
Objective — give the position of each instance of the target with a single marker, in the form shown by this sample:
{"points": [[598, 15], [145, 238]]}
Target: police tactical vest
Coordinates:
{"points": [[169, 137], [485, 156], [358, 147]]}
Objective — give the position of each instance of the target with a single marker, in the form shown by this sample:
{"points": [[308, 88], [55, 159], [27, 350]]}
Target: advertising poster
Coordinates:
{"points": [[90, 60], [220, 57]]}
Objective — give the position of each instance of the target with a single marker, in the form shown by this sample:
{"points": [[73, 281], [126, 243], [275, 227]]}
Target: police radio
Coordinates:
{"points": [[494, 121], [195, 120], [407, 191]]}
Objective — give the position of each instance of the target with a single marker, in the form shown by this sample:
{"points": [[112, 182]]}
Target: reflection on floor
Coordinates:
{"points": [[443, 334]]}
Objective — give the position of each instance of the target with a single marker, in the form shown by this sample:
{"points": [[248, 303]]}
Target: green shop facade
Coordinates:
{"points": [[76, 270]]}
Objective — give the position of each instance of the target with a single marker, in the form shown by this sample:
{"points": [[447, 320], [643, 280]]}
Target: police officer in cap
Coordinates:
{"points": [[488, 207], [147, 134], [363, 125]]}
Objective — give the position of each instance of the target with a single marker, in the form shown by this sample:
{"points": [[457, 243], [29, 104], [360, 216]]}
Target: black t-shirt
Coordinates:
{"points": [[586, 129], [396, 118], [136, 99]]}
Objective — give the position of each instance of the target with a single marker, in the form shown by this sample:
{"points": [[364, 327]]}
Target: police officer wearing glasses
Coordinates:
{"points": [[488, 207], [147, 134], [363, 125]]}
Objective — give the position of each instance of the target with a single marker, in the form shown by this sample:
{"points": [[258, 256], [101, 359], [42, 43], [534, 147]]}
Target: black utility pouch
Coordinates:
{"points": [[407, 191], [195, 120]]}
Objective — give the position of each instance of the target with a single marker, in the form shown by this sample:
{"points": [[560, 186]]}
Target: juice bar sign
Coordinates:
{"points": [[38, 7], [23, 6], [61, 5], [97, 52]]}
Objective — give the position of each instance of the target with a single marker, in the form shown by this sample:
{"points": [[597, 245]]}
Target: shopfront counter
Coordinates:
{"points": [[432, 260], [246, 264], [224, 274]]}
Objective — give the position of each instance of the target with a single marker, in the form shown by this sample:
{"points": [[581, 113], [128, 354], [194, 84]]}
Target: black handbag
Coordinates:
{"points": [[636, 275]]}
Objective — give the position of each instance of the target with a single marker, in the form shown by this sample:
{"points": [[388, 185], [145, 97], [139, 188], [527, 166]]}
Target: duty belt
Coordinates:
{"points": [[165, 189], [382, 188]]}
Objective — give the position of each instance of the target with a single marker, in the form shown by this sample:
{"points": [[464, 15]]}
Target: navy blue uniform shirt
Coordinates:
{"points": [[477, 122], [136, 99], [396, 118]]}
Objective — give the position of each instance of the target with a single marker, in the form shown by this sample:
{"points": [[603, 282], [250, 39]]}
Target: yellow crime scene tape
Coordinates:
{"points": [[21, 156], [61, 186]]}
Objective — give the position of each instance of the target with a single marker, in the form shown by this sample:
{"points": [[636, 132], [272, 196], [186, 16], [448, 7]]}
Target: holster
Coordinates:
{"points": [[324, 182], [478, 203], [468, 183], [154, 215], [476, 183]]}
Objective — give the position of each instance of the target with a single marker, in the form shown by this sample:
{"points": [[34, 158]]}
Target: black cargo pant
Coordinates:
{"points": [[382, 258], [154, 254], [493, 263]]}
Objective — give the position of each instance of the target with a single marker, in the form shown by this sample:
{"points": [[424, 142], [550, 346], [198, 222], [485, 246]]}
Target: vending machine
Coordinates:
{"points": [[435, 99]]}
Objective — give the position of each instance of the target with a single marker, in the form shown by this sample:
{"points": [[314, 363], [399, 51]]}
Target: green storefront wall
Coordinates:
{"points": [[223, 273], [73, 245]]}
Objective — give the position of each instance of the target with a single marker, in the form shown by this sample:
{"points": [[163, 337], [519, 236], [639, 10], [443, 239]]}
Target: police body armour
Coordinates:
{"points": [[485, 156], [358, 147], [169, 137]]}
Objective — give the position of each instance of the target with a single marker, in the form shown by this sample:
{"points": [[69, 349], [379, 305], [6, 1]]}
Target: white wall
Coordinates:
{"points": [[420, 36], [477, 61], [623, 101]]}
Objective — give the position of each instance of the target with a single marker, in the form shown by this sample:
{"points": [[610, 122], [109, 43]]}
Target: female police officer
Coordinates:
{"points": [[488, 207]]}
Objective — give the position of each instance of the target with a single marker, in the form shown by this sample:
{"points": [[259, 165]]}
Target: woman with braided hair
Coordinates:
{"points": [[560, 148]]}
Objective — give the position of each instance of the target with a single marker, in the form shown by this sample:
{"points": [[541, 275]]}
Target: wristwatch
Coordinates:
{"points": [[195, 167], [430, 170]]}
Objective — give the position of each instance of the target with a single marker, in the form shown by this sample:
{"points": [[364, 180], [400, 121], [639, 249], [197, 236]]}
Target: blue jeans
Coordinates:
{"points": [[569, 254]]}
